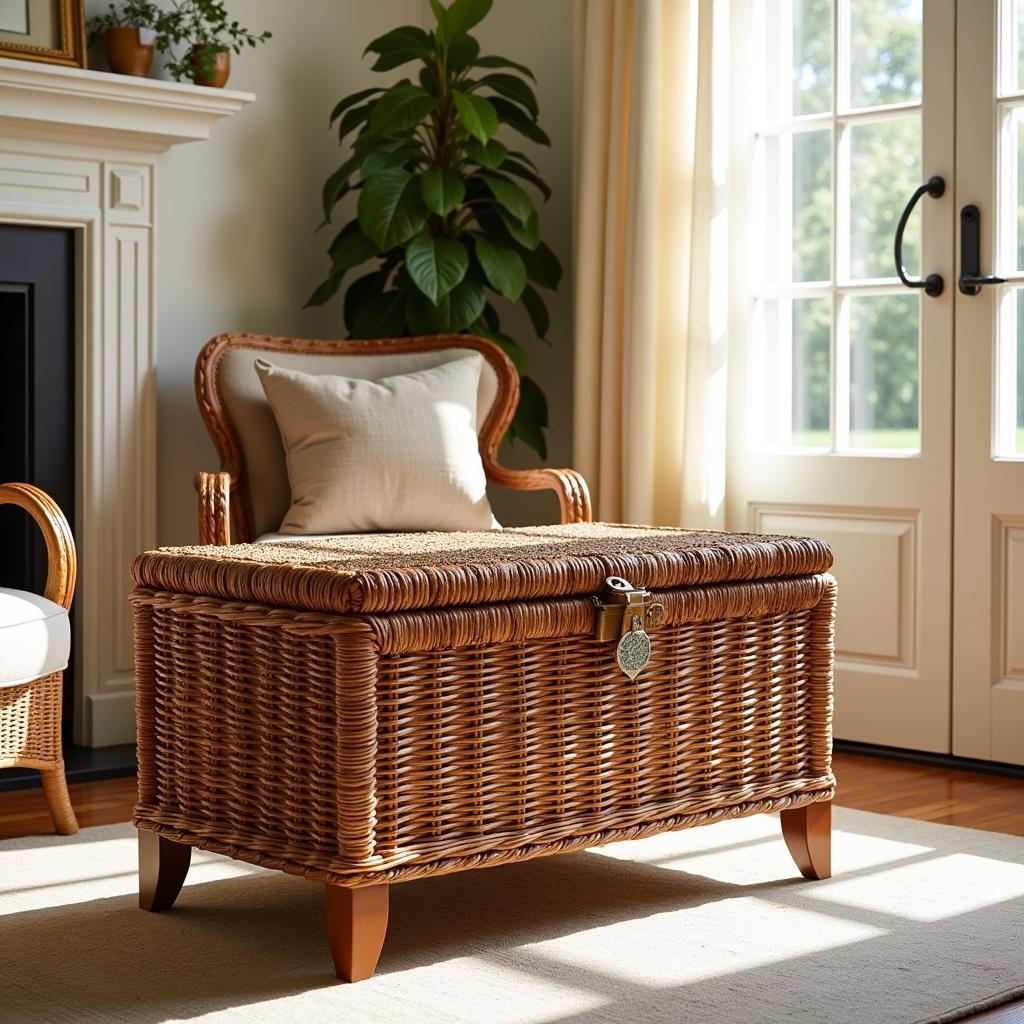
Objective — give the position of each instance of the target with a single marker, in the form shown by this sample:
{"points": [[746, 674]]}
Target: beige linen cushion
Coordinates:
{"points": [[397, 453], [252, 420]]}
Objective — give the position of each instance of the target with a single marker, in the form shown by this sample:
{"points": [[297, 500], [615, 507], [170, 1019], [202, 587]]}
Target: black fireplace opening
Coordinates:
{"points": [[37, 397], [37, 430]]}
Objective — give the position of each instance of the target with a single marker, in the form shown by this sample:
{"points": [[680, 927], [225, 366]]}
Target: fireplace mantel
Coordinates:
{"points": [[79, 149], [98, 108]]}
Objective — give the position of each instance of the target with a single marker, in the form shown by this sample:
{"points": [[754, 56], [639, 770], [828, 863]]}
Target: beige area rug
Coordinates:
{"points": [[920, 922]]}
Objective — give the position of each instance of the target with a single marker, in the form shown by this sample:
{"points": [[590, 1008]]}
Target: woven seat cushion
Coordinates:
{"points": [[393, 572], [35, 637]]}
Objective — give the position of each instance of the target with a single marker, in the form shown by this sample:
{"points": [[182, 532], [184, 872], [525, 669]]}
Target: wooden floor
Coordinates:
{"points": [[948, 797]]}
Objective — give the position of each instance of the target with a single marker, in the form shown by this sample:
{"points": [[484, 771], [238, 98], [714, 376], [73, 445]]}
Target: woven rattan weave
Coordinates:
{"points": [[371, 710]]}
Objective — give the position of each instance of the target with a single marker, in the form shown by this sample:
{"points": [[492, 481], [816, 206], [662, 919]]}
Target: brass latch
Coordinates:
{"points": [[624, 614]]}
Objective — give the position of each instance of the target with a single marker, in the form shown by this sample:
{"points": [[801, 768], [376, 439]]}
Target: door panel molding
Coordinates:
{"points": [[876, 563]]}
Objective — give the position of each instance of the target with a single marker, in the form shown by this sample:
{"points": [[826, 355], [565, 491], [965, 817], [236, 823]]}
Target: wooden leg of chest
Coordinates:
{"points": [[163, 865], [808, 834], [357, 920]]}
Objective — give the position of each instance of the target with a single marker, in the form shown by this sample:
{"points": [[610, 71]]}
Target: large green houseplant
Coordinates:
{"points": [[442, 220]]}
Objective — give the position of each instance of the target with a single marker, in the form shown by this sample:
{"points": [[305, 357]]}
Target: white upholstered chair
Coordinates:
{"points": [[35, 644]]}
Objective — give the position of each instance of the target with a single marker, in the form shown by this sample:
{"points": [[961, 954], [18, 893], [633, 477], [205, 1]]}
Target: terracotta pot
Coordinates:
{"points": [[127, 54], [217, 78]]}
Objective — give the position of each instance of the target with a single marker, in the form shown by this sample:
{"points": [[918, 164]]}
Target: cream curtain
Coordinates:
{"points": [[650, 362]]}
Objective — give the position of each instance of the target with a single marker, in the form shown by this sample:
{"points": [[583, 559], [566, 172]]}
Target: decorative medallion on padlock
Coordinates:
{"points": [[624, 614]]}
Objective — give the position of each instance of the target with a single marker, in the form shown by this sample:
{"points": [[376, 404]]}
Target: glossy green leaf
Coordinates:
{"points": [[509, 195], [441, 17], [462, 53], [463, 15], [367, 142], [476, 114], [428, 80], [526, 233], [349, 228], [390, 208], [494, 226], [504, 267], [381, 160], [399, 46], [351, 248], [355, 117], [360, 291], [531, 416], [443, 190], [380, 316], [489, 154], [533, 398], [519, 170], [336, 186], [353, 100], [436, 265], [503, 62], [517, 119], [538, 311], [326, 289], [518, 154], [508, 345], [455, 311], [542, 267], [402, 107], [514, 89]]}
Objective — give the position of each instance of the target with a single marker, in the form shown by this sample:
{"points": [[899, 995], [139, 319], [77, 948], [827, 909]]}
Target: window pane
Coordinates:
{"points": [[1016, 139], [885, 52], [1018, 30], [812, 328], [885, 168], [789, 384], [1009, 383], [812, 206], [1019, 418], [812, 56], [884, 372], [796, 207]]}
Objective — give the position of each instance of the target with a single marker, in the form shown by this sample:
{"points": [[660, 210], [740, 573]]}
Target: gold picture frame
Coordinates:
{"points": [[50, 31]]}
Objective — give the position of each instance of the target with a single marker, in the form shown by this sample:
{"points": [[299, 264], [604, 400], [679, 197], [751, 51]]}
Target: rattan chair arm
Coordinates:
{"points": [[62, 561], [571, 488], [214, 508]]}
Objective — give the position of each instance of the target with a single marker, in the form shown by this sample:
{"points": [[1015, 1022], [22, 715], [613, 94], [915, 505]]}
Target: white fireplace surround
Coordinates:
{"points": [[79, 149]]}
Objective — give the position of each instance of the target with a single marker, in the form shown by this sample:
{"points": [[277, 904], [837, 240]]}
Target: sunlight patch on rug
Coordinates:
{"points": [[931, 890]]}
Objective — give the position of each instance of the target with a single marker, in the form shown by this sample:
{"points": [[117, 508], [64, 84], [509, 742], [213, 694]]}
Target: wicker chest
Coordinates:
{"points": [[372, 709]]}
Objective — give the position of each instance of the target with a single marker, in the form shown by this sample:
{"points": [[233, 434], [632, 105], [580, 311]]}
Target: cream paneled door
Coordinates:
{"points": [[841, 398], [988, 573]]}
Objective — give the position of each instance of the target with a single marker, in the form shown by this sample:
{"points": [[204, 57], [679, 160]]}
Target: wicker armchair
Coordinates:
{"points": [[250, 495], [35, 642]]}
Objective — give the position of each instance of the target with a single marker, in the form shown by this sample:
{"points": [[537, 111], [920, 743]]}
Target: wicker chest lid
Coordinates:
{"points": [[373, 573]]}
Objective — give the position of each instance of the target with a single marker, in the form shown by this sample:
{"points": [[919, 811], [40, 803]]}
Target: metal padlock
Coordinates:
{"points": [[624, 613]]}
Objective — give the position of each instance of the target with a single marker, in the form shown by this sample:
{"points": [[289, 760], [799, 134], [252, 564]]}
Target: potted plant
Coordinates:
{"points": [[129, 35], [211, 34], [443, 225]]}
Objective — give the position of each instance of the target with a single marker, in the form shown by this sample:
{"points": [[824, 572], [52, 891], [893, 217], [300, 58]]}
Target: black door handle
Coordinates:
{"points": [[932, 284], [971, 279]]}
